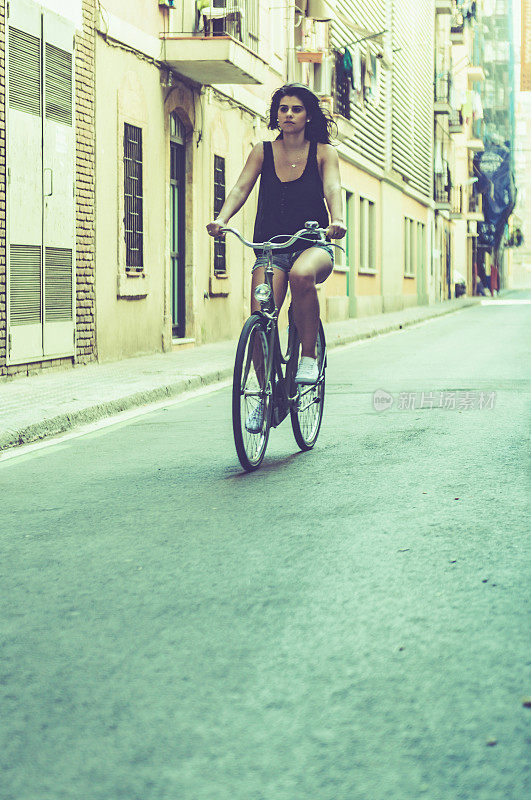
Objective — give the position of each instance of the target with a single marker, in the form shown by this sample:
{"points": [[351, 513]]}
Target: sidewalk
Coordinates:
{"points": [[49, 403]]}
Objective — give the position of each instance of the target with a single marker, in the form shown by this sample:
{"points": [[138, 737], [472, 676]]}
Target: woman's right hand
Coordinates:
{"points": [[215, 227]]}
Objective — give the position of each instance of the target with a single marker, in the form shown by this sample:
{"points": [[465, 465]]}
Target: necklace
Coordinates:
{"points": [[297, 161]]}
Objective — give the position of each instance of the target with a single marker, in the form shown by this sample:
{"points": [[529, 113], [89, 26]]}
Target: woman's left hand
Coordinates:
{"points": [[336, 230]]}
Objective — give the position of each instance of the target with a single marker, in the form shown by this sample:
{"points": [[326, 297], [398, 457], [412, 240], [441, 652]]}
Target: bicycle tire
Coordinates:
{"points": [[251, 446], [306, 426]]}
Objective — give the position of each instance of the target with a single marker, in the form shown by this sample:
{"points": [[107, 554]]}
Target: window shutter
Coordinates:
{"points": [[24, 183], [58, 180], [413, 93], [58, 284], [25, 284], [24, 71], [369, 123], [58, 84]]}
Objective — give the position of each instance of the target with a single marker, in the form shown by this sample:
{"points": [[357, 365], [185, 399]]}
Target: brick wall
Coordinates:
{"points": [[85, 196], [3, 309]]}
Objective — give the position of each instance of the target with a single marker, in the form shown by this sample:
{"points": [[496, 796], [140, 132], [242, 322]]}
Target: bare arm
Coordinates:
{"points": [[241, 191], [332, 192]]}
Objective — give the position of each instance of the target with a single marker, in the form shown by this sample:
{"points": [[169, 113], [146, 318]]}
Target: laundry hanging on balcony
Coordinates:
{"points": [[468, 8], [213, 16], [477, 107], [472, 108], [457, 98], [346, 66]]}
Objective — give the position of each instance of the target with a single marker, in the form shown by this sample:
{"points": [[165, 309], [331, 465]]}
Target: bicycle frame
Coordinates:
{"points": [[269, 312]]}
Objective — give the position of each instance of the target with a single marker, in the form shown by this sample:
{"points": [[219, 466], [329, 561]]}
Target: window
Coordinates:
{"points": [[133, 198], [367, 236], [409, 247], [220, 261]]}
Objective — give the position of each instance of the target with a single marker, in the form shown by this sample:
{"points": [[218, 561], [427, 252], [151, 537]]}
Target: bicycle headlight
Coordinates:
{"points": [[262, 293]]}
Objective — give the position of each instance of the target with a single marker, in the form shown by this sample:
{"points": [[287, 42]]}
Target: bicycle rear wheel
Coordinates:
{"points": [[307, 411], [252, 400]]}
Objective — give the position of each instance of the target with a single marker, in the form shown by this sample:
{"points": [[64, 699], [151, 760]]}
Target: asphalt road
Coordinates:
{"points": [[345, 624]]}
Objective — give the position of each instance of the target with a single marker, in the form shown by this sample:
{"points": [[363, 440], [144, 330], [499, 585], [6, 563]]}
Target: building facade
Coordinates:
{"points": [[47, 313], [496, 47], [520, 224], [166, 101]]}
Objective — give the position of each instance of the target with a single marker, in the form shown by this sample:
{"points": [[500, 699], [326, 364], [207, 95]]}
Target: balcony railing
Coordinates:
{"points": [[227, 17], [455, 121], [215, 43], [457, 204], [474, 203], [443, 189], [441, 88]]}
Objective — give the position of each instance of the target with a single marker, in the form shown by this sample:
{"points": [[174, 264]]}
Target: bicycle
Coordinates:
{"points": [[261, 390]]}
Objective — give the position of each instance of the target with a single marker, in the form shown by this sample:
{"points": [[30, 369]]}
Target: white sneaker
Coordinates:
{"points": [[308, 371], [255, 418]]}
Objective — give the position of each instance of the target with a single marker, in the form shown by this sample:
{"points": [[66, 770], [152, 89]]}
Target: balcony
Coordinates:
{"points": [[474, 206], [474, 141], [442, 93], [475, 74], [455, 121], [443, 6], [218, 44], [457, 204], [442, 190]]}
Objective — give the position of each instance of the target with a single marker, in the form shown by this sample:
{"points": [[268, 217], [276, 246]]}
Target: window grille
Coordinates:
{"points": [[252, 24], [133, 198], [220, 262], [342, 94]]}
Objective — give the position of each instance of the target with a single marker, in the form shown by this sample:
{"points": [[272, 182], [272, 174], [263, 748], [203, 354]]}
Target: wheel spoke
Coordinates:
{"points": [[308, 408], [250, 393]]}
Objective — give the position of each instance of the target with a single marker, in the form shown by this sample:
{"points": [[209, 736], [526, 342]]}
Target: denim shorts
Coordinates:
{"points": [[285, 261]]}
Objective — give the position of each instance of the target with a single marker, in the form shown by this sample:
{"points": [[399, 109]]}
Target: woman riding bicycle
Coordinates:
{"points": [[299, 171]]}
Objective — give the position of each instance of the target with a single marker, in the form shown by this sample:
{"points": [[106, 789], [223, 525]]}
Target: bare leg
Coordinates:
{"points": [[280, 286], [312, 267]]}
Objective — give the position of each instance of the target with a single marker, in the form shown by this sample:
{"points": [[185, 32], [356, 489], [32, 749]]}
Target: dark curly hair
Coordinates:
{"points": [[321, 124]]}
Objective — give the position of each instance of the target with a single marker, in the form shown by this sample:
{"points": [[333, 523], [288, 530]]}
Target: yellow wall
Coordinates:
{"points": [[127, 89]]}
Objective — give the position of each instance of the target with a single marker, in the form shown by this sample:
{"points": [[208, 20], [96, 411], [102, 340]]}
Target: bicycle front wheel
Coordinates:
{"points": [[307, 409], [252, 396]]}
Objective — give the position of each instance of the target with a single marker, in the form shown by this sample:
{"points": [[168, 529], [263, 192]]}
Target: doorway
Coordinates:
{"points": [[177, 225]]}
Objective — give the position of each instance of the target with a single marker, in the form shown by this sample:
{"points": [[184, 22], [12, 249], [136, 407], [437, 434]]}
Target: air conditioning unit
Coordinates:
{"points": [[321, 77]]}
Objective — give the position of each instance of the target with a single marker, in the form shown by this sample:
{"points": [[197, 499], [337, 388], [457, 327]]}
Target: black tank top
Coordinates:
{"points": [[285, 206]]}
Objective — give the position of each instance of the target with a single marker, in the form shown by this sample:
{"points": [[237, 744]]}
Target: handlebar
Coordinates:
{"points": [[270, 245]]}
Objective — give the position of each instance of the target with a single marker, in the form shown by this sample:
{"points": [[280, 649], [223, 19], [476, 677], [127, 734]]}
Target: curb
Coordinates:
{"points": [[64, 422]]}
